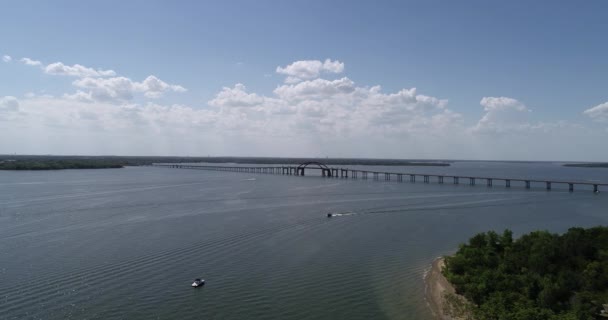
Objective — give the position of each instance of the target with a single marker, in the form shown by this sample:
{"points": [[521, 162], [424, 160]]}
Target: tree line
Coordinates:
{"points": [[540, 276]]}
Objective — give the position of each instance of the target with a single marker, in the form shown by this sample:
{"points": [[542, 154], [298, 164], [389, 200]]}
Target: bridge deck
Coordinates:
{"points": [[353, 173]]}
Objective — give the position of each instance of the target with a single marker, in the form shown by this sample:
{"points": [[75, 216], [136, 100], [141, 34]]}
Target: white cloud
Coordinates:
{"points": [[153, 87], [503, 115], [103, 85], [8, 104], [313, 114], [315, 89], [106, 89], [598, 113], [121, 88], [309, 69], [30, 62], [7, 58], [338, 108], [501, 103], [236, 97], [76, 70], [313, 117]]}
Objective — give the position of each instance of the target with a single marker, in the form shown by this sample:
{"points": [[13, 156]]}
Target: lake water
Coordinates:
{"points": [[127, 243]]}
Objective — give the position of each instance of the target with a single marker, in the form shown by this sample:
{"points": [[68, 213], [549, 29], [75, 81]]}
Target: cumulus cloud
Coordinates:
{"points": [[315, 89], [501, 103], [309, 69], [120, 88], [104, 85], [598, 113], [310, 117], [30, 62], [153, 87], [8, 104], [236, 97], [503, 115], [7, 58], [76, 70], [311, 114], [338, 108]]}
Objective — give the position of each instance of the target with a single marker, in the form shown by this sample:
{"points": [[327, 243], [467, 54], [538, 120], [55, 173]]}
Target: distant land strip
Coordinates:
{"points": [[588, 165], [50, 162]]}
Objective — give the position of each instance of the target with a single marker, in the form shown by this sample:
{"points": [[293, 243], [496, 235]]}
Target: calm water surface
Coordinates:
{"points": [[127, 243]]}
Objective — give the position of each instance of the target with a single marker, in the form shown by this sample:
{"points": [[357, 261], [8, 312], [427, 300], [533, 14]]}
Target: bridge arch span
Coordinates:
{"points": [[326, 171]]}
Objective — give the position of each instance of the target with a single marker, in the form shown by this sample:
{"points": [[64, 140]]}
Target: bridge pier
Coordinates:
{"points": [[440, 178], [354, 174], [387, 176], [548, 185], [412, 178], [472, 181], [456, 180], [595, 189], [400, 177], [508, 183], [344, 173], [489, 182], [571, 187], [426, 179], [527, 184]]}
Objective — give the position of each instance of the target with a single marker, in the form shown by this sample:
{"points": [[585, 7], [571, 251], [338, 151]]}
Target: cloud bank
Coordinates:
{"points": [[306, 115], [98, 85]]}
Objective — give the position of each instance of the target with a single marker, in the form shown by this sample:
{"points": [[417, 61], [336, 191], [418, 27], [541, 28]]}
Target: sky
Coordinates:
{"points": [[488, 80]]}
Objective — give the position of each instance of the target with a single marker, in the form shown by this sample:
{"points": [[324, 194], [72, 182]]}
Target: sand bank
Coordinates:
{"points": [[437, 286]]}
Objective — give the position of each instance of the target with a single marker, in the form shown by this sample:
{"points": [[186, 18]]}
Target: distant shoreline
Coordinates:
{"points": [[23, 162], [587, 165], [44, 165]]}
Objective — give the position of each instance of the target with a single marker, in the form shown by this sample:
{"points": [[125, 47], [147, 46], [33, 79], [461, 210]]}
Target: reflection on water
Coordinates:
{"points": [[127, 243]]}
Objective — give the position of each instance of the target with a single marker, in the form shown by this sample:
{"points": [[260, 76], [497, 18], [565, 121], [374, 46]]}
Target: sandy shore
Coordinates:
{"points": [[436, 287]]}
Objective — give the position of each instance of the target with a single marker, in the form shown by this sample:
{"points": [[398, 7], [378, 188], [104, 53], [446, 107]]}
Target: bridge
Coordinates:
{"points": [[346, 173]]}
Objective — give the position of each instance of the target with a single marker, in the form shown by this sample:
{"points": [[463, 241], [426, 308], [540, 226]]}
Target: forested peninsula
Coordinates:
{"points": [[538, 276]]}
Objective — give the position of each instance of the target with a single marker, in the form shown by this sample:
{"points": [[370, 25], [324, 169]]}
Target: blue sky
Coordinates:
{"points": [[543, 62]]}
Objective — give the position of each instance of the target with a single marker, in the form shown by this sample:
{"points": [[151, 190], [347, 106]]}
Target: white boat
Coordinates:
{"points": [[198, 283]]}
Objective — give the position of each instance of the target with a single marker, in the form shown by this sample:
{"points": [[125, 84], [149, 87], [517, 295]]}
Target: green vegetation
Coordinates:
{"points": [[538, 276], [58, 164], [588, 165]]}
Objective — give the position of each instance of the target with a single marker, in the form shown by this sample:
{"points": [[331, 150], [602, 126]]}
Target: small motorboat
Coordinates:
{"points": [[329, 215], [198, 283]]}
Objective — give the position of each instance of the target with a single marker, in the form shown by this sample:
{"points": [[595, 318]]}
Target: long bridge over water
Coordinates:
{"points": [[346, 173]]}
